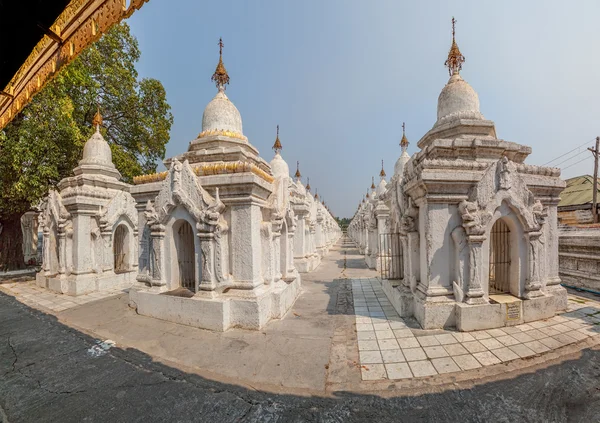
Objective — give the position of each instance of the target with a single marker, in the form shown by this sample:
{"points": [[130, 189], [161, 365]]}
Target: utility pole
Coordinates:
{"points": [[595, 193]]}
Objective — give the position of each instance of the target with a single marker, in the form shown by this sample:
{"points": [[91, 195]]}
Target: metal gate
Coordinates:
{"points": [[390, 256], [500, 258], [119, 251], [186, 257]]}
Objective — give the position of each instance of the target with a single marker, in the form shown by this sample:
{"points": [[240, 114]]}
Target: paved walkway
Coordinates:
{"points": [[342, 334], [390, 349]]}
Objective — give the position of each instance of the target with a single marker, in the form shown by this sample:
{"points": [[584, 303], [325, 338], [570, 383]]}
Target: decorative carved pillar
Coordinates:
{"points": [[208, 279], [475, 292], [62, 251], [157, 256], [533, 284], [107, 254]]}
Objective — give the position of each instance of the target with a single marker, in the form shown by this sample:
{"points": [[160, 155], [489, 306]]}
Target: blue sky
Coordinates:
{"points": [[340, 77]]}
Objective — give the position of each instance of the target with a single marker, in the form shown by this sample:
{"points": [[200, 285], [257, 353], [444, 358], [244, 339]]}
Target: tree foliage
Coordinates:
{"points": [[44, 142]]}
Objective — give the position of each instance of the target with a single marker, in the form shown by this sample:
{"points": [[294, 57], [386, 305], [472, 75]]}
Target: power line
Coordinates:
{"points": [[571, 165], [570, 158], [568, 152]]}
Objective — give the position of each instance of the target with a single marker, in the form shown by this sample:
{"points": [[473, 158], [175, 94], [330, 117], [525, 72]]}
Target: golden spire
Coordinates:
{"points": [[455, 57], [372, 182], [404, 140], [220, 77], [277, 146], [308, 184], [297, 175], [316, 194], [97, 121], [367, 194], [382, 173]]}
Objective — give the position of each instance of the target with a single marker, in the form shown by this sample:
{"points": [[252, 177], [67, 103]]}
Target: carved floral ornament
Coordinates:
{"points": [[501, 183], [181, 187]]}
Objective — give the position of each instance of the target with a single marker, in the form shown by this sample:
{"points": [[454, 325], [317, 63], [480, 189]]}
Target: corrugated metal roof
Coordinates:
{"points": [[579, 191]]}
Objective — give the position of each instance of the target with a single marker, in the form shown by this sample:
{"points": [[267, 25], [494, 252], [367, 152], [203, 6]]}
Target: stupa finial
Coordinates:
{"points": [[277, 146], [97, 121], [455, 57], [404, 140], [297, 175], [382, 173], [220, 77], [373, 182], [308, 184]]}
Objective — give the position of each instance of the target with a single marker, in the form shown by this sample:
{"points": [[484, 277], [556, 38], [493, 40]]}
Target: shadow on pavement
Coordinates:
{"points": [[50, 372]]}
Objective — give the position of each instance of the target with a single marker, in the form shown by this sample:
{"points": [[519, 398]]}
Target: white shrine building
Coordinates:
{"points": [[477, 226], [216, 241]]}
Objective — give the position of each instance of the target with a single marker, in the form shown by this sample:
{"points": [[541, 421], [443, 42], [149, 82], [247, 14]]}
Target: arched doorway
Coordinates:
{"points": [[500, 258], [120, 249], [186, 263]]}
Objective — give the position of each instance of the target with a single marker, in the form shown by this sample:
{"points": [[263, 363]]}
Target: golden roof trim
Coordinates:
{"points": [[222, 132], [79, 25], [221, 168]]}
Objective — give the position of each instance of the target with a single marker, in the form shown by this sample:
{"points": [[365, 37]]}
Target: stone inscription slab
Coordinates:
{"points": [[513, 311]]}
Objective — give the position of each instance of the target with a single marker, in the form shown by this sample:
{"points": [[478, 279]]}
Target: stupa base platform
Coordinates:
{"points": [[219, 312], [76, 285]]}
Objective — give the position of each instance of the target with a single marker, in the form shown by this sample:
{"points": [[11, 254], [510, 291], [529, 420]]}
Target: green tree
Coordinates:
{"points": [[44, 142]]}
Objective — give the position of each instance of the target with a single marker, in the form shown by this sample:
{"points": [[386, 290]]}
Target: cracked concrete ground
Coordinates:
{"points": [[298, 369]]}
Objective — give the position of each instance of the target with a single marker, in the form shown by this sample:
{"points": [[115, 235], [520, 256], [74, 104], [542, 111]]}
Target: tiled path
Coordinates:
{"points": [[391, 347], [34, 296]]}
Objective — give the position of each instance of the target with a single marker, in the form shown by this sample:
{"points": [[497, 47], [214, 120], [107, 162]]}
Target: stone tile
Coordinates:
{"points": [[414, 354], [561, 328], [463, 337], [564, 339], [551, 343], [466, 362], [370, 357], [445, 365], [548, 331], [495, 332], [456, 349], [392, 356], [408, 342], [428, 341], [363, 319], [445, 339], [522, 337], [491, 343], [373, 372], [536, 346], [505, 354], [537, 325], [507, 340], [524, 327], [388, 344], [474, 346], [480, 334], [509, 330], [364, 327], [368, 345], [366, 335], [397, 325], [376, 320], [522, 350], [422, 368], [577, 335], [376, 314], [403, 333], [486, 358], [385, 334], [398, 371], [435, 351], [536, 334]]}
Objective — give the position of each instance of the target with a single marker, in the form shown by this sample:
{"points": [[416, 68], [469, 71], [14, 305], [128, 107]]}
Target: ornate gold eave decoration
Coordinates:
{"points": [[79, 25], [210, 169]]}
